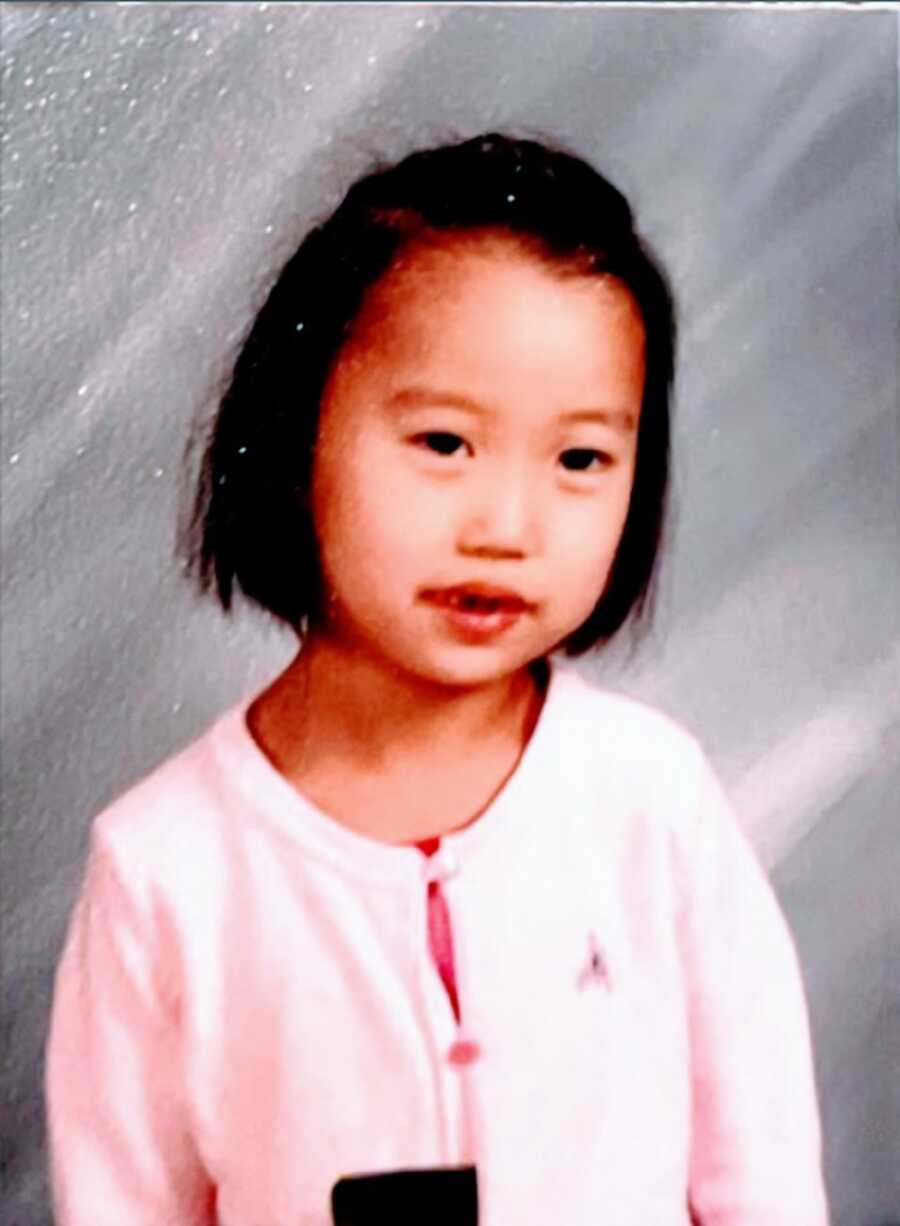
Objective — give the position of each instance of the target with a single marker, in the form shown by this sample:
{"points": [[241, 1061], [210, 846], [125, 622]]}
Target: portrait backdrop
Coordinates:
{"points": [[160, 161]]}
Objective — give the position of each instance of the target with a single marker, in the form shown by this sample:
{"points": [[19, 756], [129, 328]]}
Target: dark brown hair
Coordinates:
{"points": [[251, 525]]}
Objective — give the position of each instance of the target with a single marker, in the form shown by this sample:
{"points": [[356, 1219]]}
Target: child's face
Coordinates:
{"points": [[479, 429]]}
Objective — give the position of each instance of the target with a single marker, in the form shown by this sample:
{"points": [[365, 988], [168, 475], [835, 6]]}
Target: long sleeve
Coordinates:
{"points": [[120, 1145], [756, 1144]]}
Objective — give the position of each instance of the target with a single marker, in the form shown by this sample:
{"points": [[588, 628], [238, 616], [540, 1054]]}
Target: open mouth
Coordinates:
{"points": [[478, 599], [475, 602], [477, 613]]}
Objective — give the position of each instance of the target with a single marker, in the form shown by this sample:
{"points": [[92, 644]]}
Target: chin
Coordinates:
{"points": [[469, 667]]}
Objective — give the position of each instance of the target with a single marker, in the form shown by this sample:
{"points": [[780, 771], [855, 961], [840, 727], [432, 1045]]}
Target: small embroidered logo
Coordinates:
{"points": [[595, 969]]}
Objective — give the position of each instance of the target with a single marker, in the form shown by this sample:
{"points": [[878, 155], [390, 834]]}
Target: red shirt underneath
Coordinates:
{"points": [[440, 934]]}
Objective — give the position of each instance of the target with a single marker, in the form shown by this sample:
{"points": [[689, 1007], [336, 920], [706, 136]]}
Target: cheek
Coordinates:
{"points": [[586, 538], [591, 531], [370, 516]]}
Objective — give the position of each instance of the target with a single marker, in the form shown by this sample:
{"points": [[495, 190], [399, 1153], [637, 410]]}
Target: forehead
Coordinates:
{"points": [[483, 309], [431, 281]]}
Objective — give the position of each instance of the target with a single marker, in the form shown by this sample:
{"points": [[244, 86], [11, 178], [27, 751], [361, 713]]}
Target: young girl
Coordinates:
{"points": [[431, 905]]}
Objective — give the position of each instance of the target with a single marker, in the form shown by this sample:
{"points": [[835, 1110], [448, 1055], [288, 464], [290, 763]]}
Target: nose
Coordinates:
{"points": [[500, 516]]}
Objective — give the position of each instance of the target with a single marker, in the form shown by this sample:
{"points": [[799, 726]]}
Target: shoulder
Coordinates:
{"points": [[600, 718], [623, 745], [169, 822]]}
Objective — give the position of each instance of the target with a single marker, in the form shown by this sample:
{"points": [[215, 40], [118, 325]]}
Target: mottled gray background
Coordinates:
{"points": [[160, 160]]}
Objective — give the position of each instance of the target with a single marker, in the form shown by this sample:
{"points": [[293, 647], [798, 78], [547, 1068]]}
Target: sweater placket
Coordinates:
{"points": [[464, 1050]]}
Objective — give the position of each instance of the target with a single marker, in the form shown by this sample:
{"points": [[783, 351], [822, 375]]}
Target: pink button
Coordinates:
{"points": [[464, 1051]]}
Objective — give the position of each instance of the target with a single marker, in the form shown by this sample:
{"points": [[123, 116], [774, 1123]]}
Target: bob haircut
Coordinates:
{"points": [[251, 524]]}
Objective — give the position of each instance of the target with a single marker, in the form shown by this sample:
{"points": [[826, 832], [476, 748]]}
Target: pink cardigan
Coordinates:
{"points": [[247, 1008]]}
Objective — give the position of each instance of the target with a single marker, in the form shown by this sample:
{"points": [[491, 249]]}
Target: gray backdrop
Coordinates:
{"points": [[160, 160]]}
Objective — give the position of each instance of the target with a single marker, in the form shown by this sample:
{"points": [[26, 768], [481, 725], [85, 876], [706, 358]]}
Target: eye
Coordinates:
{"points": [[440, 442], [584, 459]]}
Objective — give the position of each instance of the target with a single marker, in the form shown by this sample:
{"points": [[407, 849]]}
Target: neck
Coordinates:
{"points": [[365, 712]]}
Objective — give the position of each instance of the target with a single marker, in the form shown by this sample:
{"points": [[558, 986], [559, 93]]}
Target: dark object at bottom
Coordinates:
{"points": [[438, 1196]]}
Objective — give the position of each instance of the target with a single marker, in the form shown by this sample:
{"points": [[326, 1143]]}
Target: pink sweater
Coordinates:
{"points": [[247, 1008]]}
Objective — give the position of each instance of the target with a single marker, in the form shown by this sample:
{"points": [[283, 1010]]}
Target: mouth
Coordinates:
{"points": [[478, 598], [478, 612]]}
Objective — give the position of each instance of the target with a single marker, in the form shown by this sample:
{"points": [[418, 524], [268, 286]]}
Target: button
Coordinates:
{"points": [[463, 1052], [440, 866]]}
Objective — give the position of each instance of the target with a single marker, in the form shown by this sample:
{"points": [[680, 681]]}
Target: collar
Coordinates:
{"points": [[258, 787]]}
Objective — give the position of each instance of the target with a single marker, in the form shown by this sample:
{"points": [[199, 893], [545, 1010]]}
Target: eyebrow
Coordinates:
{"points": [[619, 419], [424, 397]]}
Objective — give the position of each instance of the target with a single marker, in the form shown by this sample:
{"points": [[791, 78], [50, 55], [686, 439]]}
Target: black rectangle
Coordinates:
{"points": [[436, 1196]]}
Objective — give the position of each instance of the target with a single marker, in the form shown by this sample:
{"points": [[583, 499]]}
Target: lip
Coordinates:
{"points": [[506, 598], [501, 610]]}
